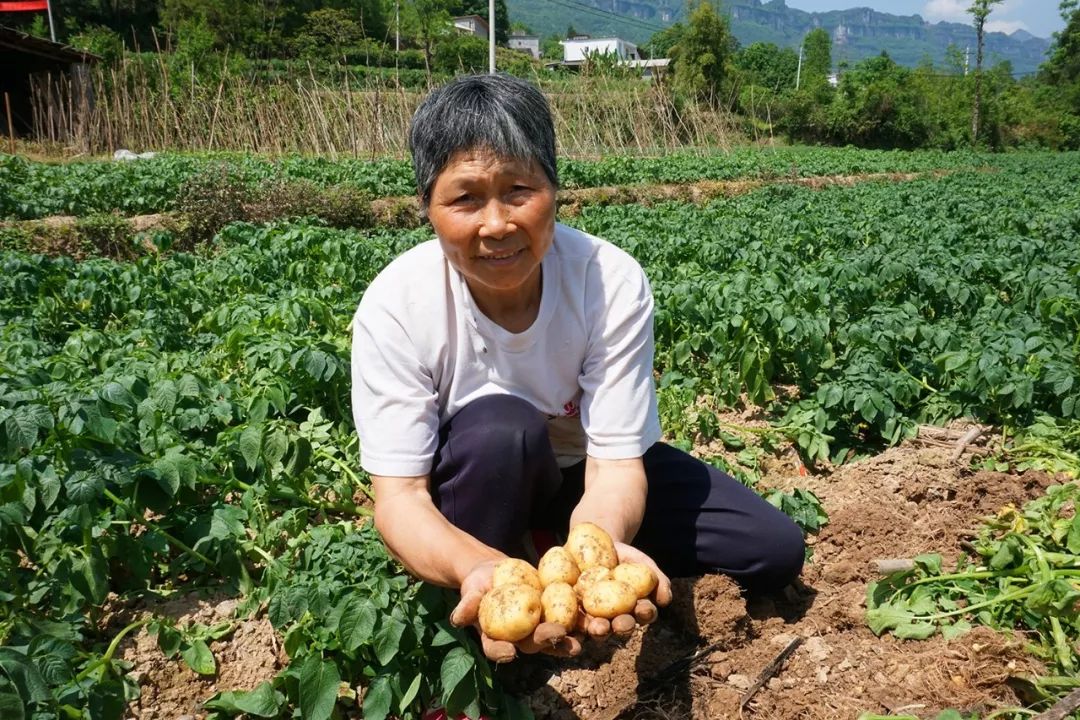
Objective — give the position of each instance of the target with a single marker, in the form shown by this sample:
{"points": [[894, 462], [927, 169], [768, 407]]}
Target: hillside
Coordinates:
{"points": [[857, 33]]}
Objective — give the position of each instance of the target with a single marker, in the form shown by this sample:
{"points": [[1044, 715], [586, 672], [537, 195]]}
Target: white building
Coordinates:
{"points": [[577, 50], [525, 43], [472, 25]]}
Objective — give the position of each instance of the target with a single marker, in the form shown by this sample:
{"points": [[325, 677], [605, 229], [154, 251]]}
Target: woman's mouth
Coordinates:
{"points": [[501, 257]]}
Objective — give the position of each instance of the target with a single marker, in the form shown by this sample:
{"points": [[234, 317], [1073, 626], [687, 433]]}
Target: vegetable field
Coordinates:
{"points": [[179, 424]]}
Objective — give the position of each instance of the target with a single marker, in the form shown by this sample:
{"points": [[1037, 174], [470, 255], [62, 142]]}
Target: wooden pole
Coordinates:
{"points": [[10, 125]]}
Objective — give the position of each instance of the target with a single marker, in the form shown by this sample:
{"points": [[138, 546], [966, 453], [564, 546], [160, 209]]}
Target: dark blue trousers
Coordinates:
{"points": [[495, 477]]}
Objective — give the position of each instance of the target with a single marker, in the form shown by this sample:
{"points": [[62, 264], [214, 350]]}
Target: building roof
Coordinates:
{"points": [[483, 21], [17, 40], [593, 40]]}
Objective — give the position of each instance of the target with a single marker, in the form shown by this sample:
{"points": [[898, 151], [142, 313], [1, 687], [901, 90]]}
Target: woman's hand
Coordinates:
{"points": [[645, 610], [548, 638]]}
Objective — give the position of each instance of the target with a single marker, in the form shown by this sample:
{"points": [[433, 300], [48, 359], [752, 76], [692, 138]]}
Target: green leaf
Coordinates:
{"points": [[955, 630], [275, 446], [456, 666], [198, 657], [319, 681], [378, 699], [24, 676], [11, 706], [264, 701], [410, 694], [358, 618], [1072, 541], [116, 394], [251, 445], [388, 638]]}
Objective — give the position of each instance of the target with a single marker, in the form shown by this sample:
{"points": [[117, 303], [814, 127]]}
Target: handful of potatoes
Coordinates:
{"points": [[582, 577]]}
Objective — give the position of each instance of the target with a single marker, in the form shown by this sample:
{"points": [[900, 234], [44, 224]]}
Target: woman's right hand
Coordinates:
{"points": [[548, 638]]}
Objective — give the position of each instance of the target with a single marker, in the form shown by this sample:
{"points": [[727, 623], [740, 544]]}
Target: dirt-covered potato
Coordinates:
{"points": [[557, 566], [609, 599], [560, 605], [590, 577], [512, 571], [510, 612], [639, 577], [591, 546]]}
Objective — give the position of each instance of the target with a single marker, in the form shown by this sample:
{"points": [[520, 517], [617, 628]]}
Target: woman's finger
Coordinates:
{"points": [[568, 647], [497, 651], [645, 611], [467, 611], [624, 625], [546, 637], [599, 627]]}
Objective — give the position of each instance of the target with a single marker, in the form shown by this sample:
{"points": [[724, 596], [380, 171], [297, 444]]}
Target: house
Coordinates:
{"points": [[472, 25], [576, 50], [37, 70], [525, 43]]}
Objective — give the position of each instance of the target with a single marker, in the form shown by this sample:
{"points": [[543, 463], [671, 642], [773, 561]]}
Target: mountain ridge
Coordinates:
{"points": [[857, 33]]}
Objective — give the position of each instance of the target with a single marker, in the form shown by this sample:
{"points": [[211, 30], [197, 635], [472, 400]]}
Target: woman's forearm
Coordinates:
{"points": [[614, 498], [418, 535]]}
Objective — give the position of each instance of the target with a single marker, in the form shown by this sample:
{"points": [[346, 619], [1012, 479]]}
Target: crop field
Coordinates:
{"points": [[184, 526]]}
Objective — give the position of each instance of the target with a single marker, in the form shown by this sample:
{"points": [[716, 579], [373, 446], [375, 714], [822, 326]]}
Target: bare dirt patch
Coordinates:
{"points": [[245, 658]]}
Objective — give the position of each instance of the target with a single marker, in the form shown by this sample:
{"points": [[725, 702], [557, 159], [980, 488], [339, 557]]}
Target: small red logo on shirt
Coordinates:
{"points": [[570, 409]]}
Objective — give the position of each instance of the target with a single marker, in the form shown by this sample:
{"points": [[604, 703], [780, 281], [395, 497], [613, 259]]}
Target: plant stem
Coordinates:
{"points": [[157, 528], [111, 650]]}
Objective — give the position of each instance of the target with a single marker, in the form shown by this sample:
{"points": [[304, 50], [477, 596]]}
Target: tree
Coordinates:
{"points": [[817, 62], [980, 10], [1063, 68], [480, 7], [767, 65], [661, 42], [427, 21], [701, 57]]}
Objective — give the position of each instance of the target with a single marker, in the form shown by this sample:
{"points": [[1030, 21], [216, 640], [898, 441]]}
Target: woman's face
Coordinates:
{"points": [[495, 219]]}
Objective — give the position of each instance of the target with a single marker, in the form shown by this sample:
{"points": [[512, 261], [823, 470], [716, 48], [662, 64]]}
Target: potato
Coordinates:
{"points": [[609, 599], [512, 571], [510, 612], [590, 546], [591, 577], [639, 577], [557, 566], [560, 605]]}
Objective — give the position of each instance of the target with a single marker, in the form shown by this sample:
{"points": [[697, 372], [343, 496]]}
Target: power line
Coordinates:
{"points": [[606, 14]]}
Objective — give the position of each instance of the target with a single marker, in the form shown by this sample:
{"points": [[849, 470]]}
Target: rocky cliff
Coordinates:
{"points": [[857, 33]]}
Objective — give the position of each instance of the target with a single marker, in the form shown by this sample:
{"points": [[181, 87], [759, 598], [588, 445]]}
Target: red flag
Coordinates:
{"points": [[24, 5]]}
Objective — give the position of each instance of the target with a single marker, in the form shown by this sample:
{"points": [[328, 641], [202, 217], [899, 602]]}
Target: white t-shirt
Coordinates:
{"points": [[422, 351]]}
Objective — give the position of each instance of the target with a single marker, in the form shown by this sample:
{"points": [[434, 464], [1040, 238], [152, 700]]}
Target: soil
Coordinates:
{"points": [[904, 502]]}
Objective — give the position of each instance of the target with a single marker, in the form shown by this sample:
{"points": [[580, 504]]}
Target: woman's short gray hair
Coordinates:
{"points": [[501, 113]]}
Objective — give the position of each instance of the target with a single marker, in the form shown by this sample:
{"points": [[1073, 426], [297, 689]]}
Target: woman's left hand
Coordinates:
{"points": [[645, 611]]}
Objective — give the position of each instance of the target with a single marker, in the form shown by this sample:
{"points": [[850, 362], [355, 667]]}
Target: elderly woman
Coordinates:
{"points": [[503, 382]]}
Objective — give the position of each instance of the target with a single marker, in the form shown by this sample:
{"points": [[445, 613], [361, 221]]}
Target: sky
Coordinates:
{"points": [[1038, 17]]}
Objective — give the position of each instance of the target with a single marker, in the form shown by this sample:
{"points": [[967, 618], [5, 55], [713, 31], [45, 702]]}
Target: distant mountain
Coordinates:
{"points": [[857, 33]]}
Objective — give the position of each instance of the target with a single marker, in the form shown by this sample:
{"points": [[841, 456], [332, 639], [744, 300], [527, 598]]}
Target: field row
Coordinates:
{"points": [[30, 190], [183, 419]]}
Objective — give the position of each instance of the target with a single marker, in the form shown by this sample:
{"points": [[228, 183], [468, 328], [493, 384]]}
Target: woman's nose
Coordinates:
{"points": [[496, 221]]}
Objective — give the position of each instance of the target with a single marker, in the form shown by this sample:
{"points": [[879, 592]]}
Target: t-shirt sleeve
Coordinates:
{"points": [[618, 403], [395, 405]]}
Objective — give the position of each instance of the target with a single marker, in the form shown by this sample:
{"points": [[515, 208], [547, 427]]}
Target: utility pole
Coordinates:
{"points": [[397, 26], [52, 27], [491, 36], [798, 73]]}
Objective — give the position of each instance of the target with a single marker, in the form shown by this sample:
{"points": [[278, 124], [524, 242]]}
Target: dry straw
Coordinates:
{"points": [[139, 106]]}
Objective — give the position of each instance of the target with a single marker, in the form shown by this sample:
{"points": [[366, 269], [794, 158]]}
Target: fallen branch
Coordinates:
{"points": [[889, 566], [969, 437], [770, 671], [1062, 708]]}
